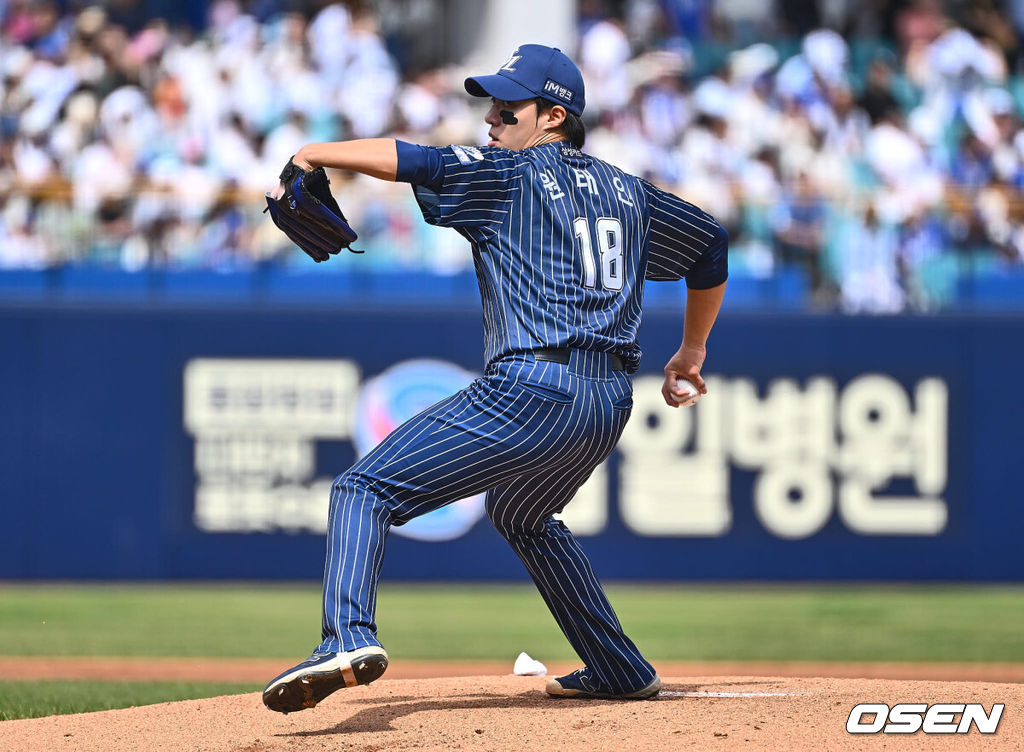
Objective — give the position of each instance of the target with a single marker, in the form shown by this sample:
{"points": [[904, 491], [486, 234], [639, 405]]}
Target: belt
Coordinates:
{"points": [[561, 355]]}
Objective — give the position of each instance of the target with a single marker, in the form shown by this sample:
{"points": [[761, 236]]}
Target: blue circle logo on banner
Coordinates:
{"points": [[391, 398]]}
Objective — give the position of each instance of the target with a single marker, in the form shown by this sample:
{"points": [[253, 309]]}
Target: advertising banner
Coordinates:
{"points": [[169, 442]]}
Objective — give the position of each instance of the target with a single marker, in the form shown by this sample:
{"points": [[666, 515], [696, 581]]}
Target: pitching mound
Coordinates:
{"points": [[513, 713]]}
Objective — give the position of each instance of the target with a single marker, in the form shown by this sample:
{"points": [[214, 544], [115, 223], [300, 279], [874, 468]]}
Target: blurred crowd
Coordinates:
{"points": [[874, 152]]}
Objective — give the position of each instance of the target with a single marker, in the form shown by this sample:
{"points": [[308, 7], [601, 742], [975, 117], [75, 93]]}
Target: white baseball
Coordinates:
{"points": [[690, 393]]}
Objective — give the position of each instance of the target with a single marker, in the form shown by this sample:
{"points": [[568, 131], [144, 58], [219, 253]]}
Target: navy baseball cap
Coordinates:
{"points": [[534, 70]]}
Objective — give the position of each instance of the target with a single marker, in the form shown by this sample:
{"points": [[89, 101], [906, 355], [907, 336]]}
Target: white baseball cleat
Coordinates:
{"points": [[305, 685]]}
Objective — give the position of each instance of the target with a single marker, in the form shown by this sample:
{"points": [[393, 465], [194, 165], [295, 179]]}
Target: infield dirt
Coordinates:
{"points": [[513, 713]]}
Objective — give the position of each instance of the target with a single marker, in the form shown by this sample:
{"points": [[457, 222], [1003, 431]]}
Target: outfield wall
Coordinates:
{"points": [[146, 440]]}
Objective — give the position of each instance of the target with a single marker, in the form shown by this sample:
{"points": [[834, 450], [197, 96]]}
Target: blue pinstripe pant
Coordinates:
{"points": [[528, 433]]}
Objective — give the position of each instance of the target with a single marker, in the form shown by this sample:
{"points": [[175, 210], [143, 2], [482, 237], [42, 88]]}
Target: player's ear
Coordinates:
{"points": [[555, 118]]}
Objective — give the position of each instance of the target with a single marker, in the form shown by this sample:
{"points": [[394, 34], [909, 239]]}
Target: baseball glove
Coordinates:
{"points": [[303, 209]]}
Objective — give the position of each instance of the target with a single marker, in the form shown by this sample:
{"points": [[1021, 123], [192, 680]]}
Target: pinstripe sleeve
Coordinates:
{"points": [[476, 188], [684, 241]]}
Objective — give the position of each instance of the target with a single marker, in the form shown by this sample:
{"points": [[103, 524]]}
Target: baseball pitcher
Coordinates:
{"points": [[563, 244]]}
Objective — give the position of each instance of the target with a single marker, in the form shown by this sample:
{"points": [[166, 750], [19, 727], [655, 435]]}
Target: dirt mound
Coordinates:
{"points": [[513, 713]]}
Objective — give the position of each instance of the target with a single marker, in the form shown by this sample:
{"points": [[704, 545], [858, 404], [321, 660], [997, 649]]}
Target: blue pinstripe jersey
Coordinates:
{"points": [[562, 243]]}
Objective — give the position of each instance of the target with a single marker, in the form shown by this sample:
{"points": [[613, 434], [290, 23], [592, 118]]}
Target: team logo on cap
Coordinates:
{"points": [[510, 64], [556, 89]]}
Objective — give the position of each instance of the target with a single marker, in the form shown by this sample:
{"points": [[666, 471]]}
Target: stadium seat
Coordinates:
{"points": [[201, 285], [998, 291], [106, 284], [17, 283]]}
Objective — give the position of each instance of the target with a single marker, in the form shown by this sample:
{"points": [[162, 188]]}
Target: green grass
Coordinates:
{"points": [[43, 698], [779, 623], [445, 622]]}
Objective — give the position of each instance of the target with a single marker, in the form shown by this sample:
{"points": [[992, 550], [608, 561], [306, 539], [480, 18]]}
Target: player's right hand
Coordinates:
{"points": [[685, 364]]}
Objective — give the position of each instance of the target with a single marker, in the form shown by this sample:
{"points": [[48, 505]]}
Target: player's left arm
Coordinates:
{"points": [[465, 187], [376, 157], [454, 185]]}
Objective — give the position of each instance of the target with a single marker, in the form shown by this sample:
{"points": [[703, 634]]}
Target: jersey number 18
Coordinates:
{"points": [[609, 246]]}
